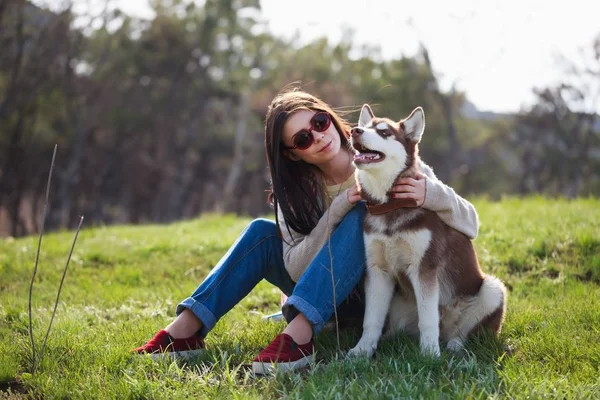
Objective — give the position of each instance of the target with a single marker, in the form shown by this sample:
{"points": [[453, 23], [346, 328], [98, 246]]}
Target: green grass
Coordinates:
{"points": [[124, 282]]}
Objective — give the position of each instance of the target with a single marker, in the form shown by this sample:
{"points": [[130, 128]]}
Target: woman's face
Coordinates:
{"points": [[325, 147]]}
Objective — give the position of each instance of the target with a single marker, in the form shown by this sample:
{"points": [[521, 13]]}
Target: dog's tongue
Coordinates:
{"points": [[366, 157]]}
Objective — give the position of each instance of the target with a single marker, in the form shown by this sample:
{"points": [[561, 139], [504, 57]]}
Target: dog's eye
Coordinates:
{"points": [[383, 133]]}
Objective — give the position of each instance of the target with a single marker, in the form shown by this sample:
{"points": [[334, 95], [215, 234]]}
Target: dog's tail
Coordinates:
{"points": [[493, 296]]}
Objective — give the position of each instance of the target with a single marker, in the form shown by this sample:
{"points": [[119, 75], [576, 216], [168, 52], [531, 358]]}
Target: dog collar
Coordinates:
{"points": [[394, 204]]}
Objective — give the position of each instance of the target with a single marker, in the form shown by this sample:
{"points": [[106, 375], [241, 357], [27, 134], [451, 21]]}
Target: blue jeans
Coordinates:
{"points": [[258, 254]]}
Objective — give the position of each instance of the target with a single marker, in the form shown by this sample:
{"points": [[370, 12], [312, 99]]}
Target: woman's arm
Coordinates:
{"points": [[452, 209], [299, 250]]}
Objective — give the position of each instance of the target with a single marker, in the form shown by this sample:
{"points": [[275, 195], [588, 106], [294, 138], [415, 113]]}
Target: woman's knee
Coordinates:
{"points": [[355, 216], [262, 226]]}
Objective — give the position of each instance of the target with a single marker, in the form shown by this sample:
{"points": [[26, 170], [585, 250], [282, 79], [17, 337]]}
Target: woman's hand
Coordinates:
{"points": [[354, 195], [409, 188]]}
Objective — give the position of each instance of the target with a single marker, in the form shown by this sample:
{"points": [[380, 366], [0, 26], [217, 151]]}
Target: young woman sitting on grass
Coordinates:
{"points": [[316, 201]]}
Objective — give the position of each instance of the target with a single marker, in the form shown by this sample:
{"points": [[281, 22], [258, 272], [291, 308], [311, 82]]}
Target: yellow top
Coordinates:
{"points": [[333, 191]]}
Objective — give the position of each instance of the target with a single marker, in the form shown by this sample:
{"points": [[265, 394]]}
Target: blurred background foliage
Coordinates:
{"points": [[159, 120]]}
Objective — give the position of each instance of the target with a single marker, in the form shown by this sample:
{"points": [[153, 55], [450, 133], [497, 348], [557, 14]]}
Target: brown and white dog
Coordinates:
{"points": [[422, 274]]}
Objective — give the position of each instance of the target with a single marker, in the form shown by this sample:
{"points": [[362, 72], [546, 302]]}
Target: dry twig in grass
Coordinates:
{"points": [[333, 285], [35, 361], [37, 257], [60, 288]]}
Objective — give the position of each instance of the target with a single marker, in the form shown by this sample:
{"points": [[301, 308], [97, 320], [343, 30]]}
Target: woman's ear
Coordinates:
{"points": [[290, 154]]}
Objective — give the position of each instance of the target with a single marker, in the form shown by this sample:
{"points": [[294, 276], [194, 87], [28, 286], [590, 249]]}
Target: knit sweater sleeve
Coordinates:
{"points": [[298, 249], [455, 211]]}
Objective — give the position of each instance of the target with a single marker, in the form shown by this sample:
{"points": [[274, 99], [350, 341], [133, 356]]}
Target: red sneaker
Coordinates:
{"points": [[283, 354], [164, 345]]}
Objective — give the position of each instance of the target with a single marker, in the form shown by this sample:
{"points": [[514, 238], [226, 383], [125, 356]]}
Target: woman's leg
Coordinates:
{"points": [[300, 329], [256, 255], [315, 292], [316, 295]]}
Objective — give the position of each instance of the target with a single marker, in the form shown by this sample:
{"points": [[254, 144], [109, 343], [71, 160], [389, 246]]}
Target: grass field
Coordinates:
{"points": [[124, 282]]}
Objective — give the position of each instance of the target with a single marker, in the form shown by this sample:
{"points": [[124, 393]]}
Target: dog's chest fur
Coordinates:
{"points": [[416, 242], [407, 242], [397, 240]]}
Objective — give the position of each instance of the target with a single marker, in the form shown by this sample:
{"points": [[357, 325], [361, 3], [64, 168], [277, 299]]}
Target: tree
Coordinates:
{"points": [[31, 67], [559, 137]]}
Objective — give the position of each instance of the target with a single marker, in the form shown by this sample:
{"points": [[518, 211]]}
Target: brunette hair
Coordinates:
{"points": [[296, 186]]}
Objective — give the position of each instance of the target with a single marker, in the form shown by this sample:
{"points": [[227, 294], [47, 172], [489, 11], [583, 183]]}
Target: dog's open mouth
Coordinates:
{"points": [[366, 156]]}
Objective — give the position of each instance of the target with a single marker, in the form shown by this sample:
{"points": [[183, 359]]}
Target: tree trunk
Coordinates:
{"points": [[454, 158], [10, 185], [183, 174], [10, 100], [70, 175], [454, 148], [237, 165]]}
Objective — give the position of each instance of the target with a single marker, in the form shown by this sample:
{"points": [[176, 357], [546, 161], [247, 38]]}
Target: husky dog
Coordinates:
{"points": [[421, 274]]}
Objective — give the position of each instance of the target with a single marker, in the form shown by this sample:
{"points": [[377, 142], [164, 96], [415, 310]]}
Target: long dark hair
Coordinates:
{"points": [[296, 186]]}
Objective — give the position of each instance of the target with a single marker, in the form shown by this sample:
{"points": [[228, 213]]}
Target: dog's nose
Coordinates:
{"points": [[356, 131]]}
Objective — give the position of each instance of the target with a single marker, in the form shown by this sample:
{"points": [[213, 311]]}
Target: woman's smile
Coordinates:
{"points": [[326, 148]]}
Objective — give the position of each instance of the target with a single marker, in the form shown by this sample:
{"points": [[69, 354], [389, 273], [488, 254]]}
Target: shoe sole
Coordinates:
{"points": [[175, 355], [263, 368]]}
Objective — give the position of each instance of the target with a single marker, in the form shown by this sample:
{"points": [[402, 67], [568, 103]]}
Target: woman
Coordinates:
{"points": [[318, 206]]}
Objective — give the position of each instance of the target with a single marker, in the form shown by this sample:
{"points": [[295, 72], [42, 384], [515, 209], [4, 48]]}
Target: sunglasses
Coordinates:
{"points": [[304, 139]]}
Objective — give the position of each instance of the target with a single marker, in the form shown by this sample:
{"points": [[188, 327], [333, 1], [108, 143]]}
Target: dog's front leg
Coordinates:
{"points": [[427, 293], [379, 288]]}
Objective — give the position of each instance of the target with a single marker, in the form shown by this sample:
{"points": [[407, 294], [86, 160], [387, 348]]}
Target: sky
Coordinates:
{"points": [[495, 51]]}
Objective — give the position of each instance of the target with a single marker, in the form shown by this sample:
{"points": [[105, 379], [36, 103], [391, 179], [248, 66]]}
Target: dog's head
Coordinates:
{"points": [[384, 150], [381, 143]]}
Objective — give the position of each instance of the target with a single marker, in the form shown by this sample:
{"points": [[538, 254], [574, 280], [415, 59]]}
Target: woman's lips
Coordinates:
{"points": [[326, 147]]}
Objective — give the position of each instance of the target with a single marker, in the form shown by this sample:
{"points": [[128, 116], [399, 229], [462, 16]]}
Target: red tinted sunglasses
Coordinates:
{"points": [[303, 139]]}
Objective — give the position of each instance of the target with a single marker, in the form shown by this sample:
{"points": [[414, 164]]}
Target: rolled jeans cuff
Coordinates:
{"points": [[205, 316], [295, 305]]}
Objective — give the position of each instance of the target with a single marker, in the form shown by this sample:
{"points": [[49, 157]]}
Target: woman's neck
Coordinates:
{"points": [[339, 169]]}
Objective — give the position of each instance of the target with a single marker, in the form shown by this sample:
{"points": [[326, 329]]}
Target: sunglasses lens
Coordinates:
{"points": [[320, 122], [303, 140]]}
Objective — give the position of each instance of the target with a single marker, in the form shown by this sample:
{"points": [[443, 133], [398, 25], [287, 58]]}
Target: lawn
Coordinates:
{"points": [[124, 282]]}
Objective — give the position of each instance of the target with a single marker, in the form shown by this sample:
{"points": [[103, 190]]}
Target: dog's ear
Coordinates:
{"points": [[366, 115], [414, 124]]}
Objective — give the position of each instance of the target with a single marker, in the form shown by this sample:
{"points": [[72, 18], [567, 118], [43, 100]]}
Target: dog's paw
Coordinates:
{"points": [[455, 345], [431, 349], [364, 347]]}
